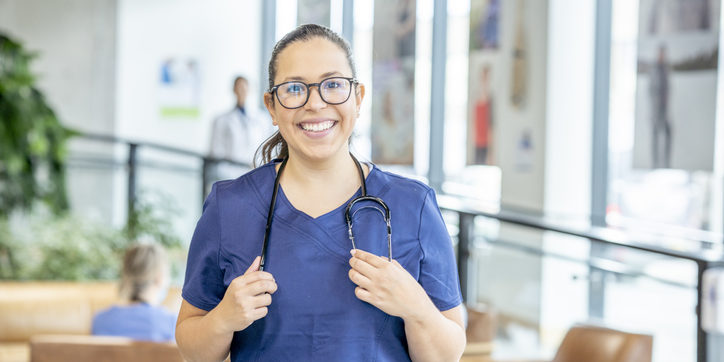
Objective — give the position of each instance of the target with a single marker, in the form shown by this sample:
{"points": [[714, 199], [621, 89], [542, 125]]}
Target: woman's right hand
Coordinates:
{"points": [[246, 299]]}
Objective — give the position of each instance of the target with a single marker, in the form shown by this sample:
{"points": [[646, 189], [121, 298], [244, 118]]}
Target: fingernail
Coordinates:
{"points": [[352, 251]]}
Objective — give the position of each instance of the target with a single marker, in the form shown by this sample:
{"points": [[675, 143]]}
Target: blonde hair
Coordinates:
{"points": [[143, 265]]}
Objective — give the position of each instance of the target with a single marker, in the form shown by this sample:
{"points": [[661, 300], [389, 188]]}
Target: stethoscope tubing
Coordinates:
{"points": [[348, 216], [270, 216]]}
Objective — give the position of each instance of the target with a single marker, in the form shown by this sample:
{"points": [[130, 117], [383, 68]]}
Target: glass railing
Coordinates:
{"points": [[542, 276]]}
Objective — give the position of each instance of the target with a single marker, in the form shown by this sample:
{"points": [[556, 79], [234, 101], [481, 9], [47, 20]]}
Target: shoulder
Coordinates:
{"points": [[226, 116], [110, 315], [392, 183], [260, 175], [251, 186], [405, 195], [162, 313], [104, 313]]}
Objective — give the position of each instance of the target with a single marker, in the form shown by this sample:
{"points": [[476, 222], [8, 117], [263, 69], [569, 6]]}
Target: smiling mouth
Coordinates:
{"points": [[317, 126]]}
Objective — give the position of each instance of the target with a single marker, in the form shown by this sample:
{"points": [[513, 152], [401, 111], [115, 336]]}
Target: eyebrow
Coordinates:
{"points": [[325, 75]]}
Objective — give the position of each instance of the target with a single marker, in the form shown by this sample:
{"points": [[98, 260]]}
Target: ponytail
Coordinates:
{"points": [[274, 147]]}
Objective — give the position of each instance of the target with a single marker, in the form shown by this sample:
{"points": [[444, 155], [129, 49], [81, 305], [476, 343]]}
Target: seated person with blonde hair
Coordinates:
{"points": [[144, 283]]}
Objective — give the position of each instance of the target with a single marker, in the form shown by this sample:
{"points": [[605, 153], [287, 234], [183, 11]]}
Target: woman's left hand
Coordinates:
{"points": [[387, 285]]}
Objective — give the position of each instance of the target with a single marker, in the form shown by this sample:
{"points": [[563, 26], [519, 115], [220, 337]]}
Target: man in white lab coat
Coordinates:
{"points": [[237, 133]]}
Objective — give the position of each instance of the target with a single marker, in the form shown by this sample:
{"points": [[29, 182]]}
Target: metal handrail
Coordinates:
{"points": [[133, 163], [597, 234], [600, 264]]}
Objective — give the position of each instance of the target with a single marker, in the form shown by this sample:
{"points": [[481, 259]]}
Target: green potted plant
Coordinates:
{"points": [[64, 247], [48, 242], [32, 139]]}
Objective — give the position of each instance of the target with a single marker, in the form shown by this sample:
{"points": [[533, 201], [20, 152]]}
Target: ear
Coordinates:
{"points": [[359, 96], [269, 103]]}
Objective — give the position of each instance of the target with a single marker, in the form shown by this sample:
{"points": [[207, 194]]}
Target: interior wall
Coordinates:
{"points": [[99, 66], [523, 171], [510, 280], [75, 42], [222, 36]]}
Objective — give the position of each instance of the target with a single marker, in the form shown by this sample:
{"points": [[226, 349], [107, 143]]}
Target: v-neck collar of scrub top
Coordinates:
{"points": [[329, 214], [327, 224]]}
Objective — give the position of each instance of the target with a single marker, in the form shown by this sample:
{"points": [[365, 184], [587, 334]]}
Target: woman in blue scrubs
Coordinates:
{"points": [[317, 298]]}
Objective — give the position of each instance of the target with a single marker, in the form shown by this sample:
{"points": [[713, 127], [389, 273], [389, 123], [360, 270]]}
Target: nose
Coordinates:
{"points": [[315, 101]]}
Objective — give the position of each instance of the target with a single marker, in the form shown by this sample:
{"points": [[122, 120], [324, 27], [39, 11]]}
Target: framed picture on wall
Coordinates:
{"points": [[393, 81], [313, 12], [179, 88], [676, 84]]}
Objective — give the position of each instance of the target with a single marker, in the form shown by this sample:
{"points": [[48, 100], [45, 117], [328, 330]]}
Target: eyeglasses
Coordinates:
{"points": [[295, 94]]}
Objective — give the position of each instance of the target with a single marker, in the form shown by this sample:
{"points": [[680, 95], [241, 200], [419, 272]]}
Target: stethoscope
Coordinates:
{"points": [[349, 215]]}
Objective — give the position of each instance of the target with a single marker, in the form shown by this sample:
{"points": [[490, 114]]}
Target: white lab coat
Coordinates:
{"points": [[236, 137]]}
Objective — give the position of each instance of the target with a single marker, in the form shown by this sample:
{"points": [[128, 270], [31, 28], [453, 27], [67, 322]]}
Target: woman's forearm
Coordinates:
{"points": [[200, 339], [431, 336], [206, 336]]}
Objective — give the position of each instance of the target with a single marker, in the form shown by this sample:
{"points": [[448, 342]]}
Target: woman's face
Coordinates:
{"points": [[317, 130]]}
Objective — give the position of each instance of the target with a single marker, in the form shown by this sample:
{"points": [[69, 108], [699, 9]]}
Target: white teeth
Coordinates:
{"points": [[317, 127]]}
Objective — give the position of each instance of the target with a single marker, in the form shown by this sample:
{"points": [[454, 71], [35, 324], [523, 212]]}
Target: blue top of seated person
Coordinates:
{"points": [[144, 283]]}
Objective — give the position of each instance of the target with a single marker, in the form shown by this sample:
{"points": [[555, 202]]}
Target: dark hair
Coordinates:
{"points": [[275, 146], [238, 79]]}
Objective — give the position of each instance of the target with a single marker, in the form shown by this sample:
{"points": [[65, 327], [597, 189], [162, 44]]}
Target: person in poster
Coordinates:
{"points": [[484, 25], [519, 76], [392, 130], [661, 126], [405, 29], [676, 92], [483, 114]]}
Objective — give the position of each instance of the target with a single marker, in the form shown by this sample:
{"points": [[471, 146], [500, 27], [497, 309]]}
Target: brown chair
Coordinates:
{"points": [[80, 348], [595, 344], [481, 328]]}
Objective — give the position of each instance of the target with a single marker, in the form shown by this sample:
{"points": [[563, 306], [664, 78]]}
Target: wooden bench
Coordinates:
{"points": [[28, 309]]}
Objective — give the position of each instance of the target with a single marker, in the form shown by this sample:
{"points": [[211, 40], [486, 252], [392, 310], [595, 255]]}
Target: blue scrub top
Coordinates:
{"points": [[315, 314], [138, 321]]}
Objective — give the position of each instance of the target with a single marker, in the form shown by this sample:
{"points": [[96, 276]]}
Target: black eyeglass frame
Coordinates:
{"points": [[353, 82]]}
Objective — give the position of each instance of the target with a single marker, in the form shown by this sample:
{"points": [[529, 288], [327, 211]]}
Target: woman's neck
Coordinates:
{"points": [[142, 299], [317, 188], [310, 172]]}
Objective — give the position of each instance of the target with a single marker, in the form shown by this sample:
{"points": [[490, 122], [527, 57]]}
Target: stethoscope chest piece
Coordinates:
{"points": [[364, 200]]}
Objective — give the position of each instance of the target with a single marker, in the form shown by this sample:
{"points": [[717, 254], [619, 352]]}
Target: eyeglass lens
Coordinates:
{"points": [[332, 91]]}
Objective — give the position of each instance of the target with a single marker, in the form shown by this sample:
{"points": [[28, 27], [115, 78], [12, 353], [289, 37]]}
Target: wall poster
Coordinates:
{"points": [[313, 12], [485, 20], [393, 81], [676, 84], [179, 94]]}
